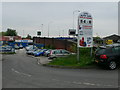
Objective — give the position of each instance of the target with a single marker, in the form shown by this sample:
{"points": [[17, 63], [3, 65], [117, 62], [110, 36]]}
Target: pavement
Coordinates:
{"points": [[43, 60]]}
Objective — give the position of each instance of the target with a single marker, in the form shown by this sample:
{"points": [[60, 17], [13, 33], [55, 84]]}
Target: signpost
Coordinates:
{"points": [[39, 33], [72, 32], [109, 41], [85, 31]]}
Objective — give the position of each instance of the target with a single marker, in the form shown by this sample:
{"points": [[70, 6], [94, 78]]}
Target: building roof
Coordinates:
{"points": [[112, 37]]}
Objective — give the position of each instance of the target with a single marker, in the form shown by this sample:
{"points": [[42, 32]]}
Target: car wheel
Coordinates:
{"points": [[112, 65]]}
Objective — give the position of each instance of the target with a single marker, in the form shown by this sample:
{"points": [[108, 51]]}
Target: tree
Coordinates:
{"points": [[10, 32], [28, 36], [2, 33]]}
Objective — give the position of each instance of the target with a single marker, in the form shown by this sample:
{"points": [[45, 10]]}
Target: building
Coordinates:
{"points": [[115, 38], [56, 43], [10, 38]]}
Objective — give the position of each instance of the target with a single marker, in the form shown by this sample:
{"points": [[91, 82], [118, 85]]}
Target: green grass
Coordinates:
{"points": [[85, 59]]}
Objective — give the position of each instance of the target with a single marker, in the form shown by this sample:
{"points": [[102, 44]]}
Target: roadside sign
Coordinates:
{"points": [[39, 33], [26, 41], [85, 32], [72, 32], [109, 41]]}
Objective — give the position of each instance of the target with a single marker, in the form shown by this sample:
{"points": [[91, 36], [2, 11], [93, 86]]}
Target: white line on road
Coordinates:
{"points": [[21, 72], [83, 83]]}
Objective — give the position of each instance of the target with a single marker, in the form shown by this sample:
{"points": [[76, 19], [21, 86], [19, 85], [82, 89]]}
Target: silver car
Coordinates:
{"points": [[58, 53]]}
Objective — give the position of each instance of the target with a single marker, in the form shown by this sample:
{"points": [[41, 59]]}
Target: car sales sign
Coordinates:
{"points": [[85, 30]]}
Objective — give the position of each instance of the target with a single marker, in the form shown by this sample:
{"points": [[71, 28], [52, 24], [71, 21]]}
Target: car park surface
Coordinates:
{"points": [[108, 56]]}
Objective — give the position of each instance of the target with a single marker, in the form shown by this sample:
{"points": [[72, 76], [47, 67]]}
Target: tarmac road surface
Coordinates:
{"points": [[22, 71]]}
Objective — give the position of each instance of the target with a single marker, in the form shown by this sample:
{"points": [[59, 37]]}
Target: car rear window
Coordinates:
{"points": [[104, 51]]}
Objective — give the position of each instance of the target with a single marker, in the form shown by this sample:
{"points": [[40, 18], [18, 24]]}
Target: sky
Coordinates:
{"points": [[57, 17]]}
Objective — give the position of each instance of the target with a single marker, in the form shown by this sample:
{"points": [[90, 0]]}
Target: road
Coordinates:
{"points": [[22, 71]]}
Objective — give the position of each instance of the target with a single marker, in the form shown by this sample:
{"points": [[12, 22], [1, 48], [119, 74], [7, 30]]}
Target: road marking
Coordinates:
{"points": [[20, 72], [89, 84], [83, 83]]}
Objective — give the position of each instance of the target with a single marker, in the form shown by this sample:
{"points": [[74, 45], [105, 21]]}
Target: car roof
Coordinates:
{"points": [[110, 45]]}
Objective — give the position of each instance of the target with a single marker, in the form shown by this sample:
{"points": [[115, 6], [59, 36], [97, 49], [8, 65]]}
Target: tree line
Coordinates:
{"points": [[9, 32], [12, 32]]}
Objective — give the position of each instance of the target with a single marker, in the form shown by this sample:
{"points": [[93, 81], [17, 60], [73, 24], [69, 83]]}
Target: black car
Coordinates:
{"points": [[108, 56]]}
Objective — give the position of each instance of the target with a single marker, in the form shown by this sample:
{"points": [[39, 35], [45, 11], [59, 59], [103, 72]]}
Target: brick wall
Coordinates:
{"points": [[56, 43]]}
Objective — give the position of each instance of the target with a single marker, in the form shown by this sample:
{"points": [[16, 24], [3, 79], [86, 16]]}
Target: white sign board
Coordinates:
{"points": [[85, 30], [26, 41]]}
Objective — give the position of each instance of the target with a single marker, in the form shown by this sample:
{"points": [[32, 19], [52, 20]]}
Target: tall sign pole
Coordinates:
{"points": [[85, 31]]}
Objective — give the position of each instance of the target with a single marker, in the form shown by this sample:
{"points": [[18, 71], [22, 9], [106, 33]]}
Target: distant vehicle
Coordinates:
{"points": [[30, 47], [40, 52], [58, 53], [108, 56], [16, 47], [47, 53], [21, 46], [31, 51], [6, 49]]}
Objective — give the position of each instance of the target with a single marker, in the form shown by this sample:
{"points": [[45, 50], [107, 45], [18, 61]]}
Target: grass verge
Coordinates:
{"points": [[85, 60]]}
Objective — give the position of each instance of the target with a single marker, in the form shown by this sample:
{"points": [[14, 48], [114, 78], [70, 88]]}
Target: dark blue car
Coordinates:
{"points": [[6, 49], [40, 52]]}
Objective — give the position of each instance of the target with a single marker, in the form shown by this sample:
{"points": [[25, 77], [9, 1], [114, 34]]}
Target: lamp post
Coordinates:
{"points": [[42, 29], [73, 16], [49, 28], [23, 33], [77, 36]]}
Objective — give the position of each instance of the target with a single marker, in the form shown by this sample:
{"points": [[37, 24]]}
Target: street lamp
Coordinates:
{"points": [[23, 33], [73, 16], [48, 28], [73, 29], [42, 29]]}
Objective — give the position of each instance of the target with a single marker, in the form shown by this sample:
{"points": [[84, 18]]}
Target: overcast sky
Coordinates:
{"points": [[28, 17]]}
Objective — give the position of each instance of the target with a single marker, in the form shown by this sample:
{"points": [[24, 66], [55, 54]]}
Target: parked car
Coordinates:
{"points": [[108, 56], [21, 46], [47, 52], [31, 51], [58, 53], [40, 52], [16, 47], [6, 49], [30, 47]]}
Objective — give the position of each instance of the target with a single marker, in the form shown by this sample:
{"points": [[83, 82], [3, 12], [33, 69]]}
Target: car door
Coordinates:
{"points": [[65, 52], [117, 53], [59, 53]]}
